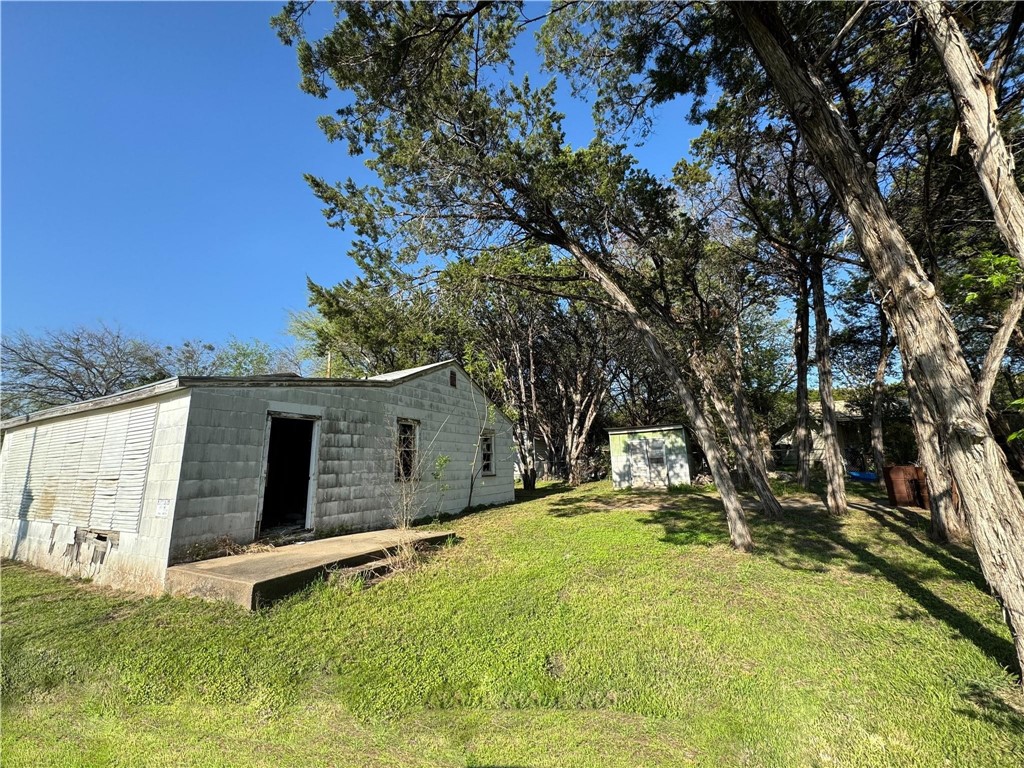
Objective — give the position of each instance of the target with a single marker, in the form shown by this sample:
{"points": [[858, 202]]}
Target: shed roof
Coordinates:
{"points": [[660, 428], [176, 383], [409, 373]]}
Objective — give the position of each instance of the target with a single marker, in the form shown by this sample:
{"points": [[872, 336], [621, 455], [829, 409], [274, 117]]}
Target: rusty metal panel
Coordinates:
{"points": [[906, 486], [42, 475]]}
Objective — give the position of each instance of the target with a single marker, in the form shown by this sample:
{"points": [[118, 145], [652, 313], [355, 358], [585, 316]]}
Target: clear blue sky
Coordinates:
{"points": [[152, 161]]}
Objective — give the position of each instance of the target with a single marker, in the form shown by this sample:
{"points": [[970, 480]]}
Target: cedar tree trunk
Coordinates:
{"points": [[802, 442], [832, 457], [739, 531], [925, 333]]}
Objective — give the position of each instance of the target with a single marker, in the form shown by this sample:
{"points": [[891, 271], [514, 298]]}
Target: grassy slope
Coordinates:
{"points": [[580, 628]]}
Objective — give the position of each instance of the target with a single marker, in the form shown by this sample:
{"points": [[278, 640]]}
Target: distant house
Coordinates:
{"points": [[547, 466], [650, 457], [853, 432], [119, 487]]}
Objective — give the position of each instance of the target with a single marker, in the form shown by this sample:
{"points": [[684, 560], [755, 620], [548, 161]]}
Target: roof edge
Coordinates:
{"points": [[164, 386], [135, 394], [651, 428]]}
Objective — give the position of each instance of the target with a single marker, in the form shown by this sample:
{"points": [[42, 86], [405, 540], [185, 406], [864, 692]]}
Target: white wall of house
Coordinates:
{"points": [[92, 494], [117, 493], [222, 466]]}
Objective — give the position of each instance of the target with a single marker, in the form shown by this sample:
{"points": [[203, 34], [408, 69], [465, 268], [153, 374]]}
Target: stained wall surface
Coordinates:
{"points": [[92, 494]]}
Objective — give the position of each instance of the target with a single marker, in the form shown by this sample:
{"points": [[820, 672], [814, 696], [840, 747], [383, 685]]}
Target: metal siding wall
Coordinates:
{"points": [[115, 436], [131, 486], [17, 453], [88, 471]]}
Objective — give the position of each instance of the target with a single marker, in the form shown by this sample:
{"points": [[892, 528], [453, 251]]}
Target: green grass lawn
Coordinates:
{"points": [[577, 628]]}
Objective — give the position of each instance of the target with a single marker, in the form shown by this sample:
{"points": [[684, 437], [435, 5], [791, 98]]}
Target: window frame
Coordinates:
{"points": [[487, 456], [401, 451], [657, 452]]}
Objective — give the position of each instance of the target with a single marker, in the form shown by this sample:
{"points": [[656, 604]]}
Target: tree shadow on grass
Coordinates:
{"points": [[992, 707], [806, 538], [612, 501], [957, 560], [540, 492], [691, 521]]}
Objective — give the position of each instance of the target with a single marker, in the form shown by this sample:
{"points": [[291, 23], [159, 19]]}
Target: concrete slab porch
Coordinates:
{"points": [[257, 578]]}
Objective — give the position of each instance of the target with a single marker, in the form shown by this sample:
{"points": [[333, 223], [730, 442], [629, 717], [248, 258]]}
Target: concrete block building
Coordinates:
{"points": [[649, 457], [118, 488]]}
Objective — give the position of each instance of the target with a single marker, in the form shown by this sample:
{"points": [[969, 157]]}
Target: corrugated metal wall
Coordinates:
{"points": [[88, 471]]}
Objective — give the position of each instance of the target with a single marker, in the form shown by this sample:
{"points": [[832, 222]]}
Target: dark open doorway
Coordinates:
{"points": [[286, 494]]}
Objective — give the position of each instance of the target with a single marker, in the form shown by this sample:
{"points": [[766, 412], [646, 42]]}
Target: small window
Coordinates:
{"points": [[487, 454], [405, 451], [452, 381], [656, 452]]}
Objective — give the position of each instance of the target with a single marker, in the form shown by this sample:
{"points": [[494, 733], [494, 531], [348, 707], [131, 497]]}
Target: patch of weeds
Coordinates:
{"points": [[331, 531], [224, 546], [554, 665], [446, 517], [34, 669], [346, 581]]}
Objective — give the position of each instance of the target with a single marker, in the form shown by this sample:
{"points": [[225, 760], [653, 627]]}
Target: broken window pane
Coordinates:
{"points": [[405, 451]]}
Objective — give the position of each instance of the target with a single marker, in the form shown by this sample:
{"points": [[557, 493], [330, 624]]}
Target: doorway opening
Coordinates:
{"points": [[289, 474]]}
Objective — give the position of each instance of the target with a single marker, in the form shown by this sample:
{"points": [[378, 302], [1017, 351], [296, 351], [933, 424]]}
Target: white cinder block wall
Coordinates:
{"points": [[116, 493], [355, 490]]}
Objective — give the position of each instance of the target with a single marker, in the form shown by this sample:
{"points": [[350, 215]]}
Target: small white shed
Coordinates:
{"points": [[118, 488], [649, 457]]}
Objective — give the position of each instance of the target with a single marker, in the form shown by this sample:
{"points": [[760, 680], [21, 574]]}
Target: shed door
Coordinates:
{"points": [[289, 474], [647, 463]]}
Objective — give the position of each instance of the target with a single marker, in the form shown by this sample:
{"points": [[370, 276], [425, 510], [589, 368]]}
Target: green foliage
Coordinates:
{"points": [[1018, 434], [989, 276], [245, 358], [376, 327], [526, 644]]}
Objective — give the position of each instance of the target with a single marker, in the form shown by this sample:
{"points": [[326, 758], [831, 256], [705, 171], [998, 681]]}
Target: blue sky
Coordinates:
{"points": [[152, 161]]}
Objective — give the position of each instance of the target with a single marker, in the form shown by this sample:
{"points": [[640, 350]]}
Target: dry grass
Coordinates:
{"points": [[225, 546]]}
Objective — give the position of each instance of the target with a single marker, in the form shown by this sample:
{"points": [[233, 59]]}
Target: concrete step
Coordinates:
{"points": [[258, 578]]}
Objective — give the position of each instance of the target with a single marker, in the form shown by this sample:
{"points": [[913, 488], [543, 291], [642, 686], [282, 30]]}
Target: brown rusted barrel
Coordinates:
{"points": [[906, 486]]}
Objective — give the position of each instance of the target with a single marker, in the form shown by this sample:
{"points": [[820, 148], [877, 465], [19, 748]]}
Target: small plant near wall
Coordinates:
{"points": [[440, 463], [411, 475]]}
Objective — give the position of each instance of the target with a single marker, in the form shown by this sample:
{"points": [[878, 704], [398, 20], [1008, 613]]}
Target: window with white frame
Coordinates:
{"points": [[487, 453], [405, 450]]}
